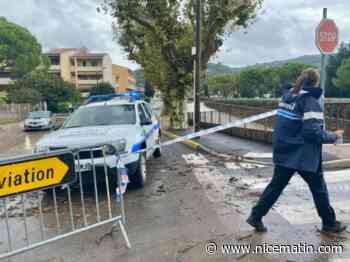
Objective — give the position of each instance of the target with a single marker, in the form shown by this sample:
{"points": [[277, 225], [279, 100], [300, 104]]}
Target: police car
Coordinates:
{"points": [[122, 120]]}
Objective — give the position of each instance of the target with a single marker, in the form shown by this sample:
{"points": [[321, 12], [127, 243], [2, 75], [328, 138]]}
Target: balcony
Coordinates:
{"points": [[88, 82], [55, 68], [87, 68], [5, 80]]}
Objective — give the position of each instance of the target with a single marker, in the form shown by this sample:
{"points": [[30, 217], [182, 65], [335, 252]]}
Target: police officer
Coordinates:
{"points": [[297, 148]]}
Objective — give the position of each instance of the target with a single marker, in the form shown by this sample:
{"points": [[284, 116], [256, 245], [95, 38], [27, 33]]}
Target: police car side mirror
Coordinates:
{"points": [[146, 122], [57, 126]]}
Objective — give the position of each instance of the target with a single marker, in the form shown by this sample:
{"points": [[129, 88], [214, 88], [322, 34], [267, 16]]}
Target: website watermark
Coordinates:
{"points": [[212, 248]]}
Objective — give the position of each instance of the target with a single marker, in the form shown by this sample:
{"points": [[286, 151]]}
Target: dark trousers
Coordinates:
{"points": [[281, 179]]}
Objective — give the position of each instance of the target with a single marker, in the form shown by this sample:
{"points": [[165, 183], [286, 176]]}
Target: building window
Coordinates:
{"points": [[54, 60], [5, 74], [93, 62], [90, 77]]}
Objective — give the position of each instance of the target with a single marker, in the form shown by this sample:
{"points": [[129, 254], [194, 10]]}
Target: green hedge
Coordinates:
{"points": [[266, 103], [247, 102]]}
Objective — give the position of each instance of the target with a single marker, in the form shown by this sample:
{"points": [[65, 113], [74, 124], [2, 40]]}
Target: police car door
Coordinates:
{"points": [[155, 132], [147, 126]]}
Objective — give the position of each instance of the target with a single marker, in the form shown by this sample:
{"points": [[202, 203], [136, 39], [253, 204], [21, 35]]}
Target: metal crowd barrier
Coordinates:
{"points": [[31, 219]]}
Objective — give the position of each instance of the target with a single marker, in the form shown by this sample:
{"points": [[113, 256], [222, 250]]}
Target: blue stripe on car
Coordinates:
{"points": [[138, 146]]}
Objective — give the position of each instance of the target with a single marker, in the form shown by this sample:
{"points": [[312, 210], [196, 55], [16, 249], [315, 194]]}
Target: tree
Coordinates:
{"points": [[24, 95], [139, 77], [256, 81], [19, 50], [149, 90], [159, 36], [48, 87], [251, 82], [103, 88], [289, 72], [335, 61], [224, 86], [342, 80]]}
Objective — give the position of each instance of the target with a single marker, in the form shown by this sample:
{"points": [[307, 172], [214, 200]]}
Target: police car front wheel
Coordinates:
{"points": [[138, 179], [158, 151]]}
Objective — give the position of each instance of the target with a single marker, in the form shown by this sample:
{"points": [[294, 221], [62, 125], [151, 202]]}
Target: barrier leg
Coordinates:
{"points": [[125, 235]]}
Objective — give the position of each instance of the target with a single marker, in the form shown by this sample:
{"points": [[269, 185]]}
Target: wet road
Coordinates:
{"points": [[14, 141]]}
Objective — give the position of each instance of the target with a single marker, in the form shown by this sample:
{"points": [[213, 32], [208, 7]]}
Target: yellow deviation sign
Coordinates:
{"points": [[29, 175]]}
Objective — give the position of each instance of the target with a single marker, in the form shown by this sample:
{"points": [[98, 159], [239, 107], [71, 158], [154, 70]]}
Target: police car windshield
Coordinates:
{"points": [[39, 114], [102, 116]]}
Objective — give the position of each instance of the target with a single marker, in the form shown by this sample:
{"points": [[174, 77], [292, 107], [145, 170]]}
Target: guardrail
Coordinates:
{"points": [[17, 111], [337, 113], [60, 177]]}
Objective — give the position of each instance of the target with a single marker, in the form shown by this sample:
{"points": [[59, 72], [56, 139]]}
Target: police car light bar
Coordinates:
{"points": [[134, 95]]}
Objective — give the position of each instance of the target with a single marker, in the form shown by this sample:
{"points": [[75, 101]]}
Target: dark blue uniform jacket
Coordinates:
{"points": [[298, 132]]}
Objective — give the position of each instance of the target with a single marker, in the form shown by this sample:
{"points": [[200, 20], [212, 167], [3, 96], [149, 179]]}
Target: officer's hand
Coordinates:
{"points": [[339, 133]]}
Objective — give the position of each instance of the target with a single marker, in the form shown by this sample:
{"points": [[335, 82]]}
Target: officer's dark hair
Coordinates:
{"points": [[309, 77], [312, 77]]}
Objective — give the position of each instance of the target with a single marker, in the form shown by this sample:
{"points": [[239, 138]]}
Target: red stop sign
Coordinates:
{"points": [[327, 37]]}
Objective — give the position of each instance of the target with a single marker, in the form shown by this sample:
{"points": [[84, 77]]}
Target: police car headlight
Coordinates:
{"points": [[118, 146], [41, 149], [110, 150]]}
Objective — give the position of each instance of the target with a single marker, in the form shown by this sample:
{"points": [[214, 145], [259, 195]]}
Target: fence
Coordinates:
{"points": [[17, 112], [81, 202], [337, 113]]}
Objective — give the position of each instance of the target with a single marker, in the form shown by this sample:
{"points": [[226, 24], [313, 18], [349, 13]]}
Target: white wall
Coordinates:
{"points": [[107, 70]]}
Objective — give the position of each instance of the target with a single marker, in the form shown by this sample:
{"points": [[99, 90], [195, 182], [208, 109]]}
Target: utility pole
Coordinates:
{"points": [[327, 39], [323, 68], [197, 83]]}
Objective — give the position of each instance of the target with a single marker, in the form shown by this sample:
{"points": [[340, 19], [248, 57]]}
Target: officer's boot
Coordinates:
{"points": [[338, 227], [257, 224]]}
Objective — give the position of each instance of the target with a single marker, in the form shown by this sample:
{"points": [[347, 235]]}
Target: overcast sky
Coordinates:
{"points": [[284, 28]]}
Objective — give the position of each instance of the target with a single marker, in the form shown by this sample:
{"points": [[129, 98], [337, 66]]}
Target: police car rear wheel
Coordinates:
{"points": [[139, 178]]}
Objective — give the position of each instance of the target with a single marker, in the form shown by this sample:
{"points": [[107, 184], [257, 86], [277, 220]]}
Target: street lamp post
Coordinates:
{"points": [[196, 114], [97, 79]]}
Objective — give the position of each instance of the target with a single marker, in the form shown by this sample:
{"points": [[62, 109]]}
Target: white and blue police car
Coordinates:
{"points": [[122, 120]]}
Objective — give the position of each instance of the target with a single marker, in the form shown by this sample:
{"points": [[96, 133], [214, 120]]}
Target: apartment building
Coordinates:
{"points": [[5, 79], [84, 69], [123, 78], [81, 67]]}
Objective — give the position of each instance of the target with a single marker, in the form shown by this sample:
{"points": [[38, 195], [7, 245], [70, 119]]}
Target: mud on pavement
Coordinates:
{"points": [[235, 187]]}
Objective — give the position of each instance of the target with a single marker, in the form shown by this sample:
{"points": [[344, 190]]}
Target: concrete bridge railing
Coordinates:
{"points": [[337, 112]]}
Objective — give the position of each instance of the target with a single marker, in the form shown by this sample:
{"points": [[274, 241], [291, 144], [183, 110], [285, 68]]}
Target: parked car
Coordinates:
{"points": [[39, 120], [125, 122]]}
